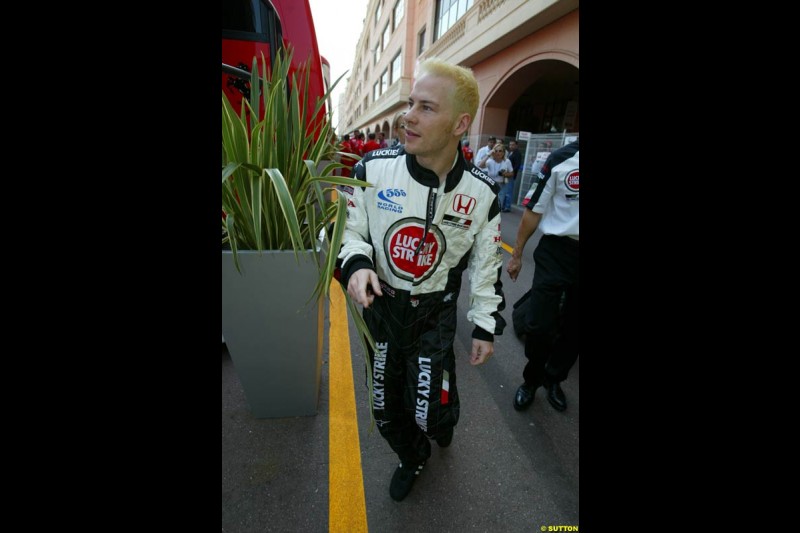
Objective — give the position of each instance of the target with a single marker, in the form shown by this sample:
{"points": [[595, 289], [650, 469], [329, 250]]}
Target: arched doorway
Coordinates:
{"points": [[550, 104], [539, 97]]}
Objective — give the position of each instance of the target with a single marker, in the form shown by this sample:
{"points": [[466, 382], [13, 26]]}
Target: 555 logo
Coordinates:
{"points": [[388, 200], [387, 194]]}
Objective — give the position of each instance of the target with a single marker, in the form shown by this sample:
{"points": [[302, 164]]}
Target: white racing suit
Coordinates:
{"points": [[419, 239]]}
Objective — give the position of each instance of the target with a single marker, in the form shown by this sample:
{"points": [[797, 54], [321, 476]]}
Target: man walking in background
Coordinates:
{"points": [[552, 342]]}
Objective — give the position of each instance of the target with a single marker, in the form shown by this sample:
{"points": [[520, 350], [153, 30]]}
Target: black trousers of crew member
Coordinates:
{"points": [[553, 336], [413, 374]]}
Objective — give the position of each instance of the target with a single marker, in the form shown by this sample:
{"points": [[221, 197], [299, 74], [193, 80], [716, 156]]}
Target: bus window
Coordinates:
{"points": [[251, 28], [238, 16]]}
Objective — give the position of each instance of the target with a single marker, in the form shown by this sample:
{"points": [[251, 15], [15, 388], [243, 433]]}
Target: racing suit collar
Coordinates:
{"points": [[429, 178]]}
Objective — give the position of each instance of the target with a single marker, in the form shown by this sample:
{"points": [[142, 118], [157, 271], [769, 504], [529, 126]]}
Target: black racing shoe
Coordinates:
{"points": [[403, 479], [445, 439]]}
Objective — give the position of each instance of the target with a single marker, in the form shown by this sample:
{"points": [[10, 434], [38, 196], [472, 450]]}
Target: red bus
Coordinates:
{"points": [[253, 27]]}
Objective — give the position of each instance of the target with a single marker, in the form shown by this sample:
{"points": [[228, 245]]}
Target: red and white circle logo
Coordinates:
{"points": [[572, 181], [410, 258]]}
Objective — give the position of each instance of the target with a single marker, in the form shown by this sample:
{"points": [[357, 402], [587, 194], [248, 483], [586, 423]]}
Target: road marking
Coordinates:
{"points": [[347, 510], [506, 247]]}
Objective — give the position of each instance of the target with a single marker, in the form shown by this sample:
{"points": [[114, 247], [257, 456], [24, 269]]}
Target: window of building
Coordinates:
{"points": [[377, 52], [399, 9], [387, 34], [376, 91], [394, 74], [378, 12], [384, 81], [447, 14], [421, 41], [366, 102]]}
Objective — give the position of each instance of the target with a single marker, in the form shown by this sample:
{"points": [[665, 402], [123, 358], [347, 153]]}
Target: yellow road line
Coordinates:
{"points": [[347, 510], [506, 247]]}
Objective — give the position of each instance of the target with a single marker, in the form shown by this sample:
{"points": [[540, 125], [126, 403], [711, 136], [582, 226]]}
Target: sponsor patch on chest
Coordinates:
{"points": [[572, 181], [391, 200], [410, 258], [456, 222]]}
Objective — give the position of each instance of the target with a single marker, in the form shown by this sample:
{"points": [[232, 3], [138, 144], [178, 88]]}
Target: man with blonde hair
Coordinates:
{"points": [[429, 216]]}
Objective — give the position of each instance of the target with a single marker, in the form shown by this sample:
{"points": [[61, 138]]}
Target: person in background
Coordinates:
{"points": [[483, 151], [467, 151], [354, 147], [359, 143], [346, 147], [552, 338], [407, 241], [399, 129], [496, 165], [508, 189], [382, 140], [372, 143]]}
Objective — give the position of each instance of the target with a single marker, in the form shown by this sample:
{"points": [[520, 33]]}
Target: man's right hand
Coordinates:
{"points": [[364, 286], [513, 267]]}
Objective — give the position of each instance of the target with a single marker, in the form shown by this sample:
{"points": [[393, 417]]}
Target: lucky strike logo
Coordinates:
{"points": [[572, 181], [402, 241]]}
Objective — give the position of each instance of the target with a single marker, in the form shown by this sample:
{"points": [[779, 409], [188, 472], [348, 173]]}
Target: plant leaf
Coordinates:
{"points": [[287, 206]]}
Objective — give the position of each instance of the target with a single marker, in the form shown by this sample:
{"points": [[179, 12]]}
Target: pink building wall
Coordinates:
{"points": [[558, 40]]}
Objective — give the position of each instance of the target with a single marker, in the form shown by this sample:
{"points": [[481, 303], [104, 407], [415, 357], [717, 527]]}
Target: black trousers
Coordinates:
{"points": [[552, 330], [414, 390]]}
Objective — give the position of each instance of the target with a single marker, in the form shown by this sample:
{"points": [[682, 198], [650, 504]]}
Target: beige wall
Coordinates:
{"points": [[496, 38], [558, 40]]}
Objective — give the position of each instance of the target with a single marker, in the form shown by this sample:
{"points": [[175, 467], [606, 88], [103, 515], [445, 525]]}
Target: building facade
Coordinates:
{"points": [[524, 54]]}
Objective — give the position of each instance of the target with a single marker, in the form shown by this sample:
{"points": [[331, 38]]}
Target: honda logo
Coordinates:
{"points": [[463, 204]]}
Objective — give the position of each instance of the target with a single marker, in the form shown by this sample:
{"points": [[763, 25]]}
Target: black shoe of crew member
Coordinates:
{"points": [[556, 396], [524, 396]]}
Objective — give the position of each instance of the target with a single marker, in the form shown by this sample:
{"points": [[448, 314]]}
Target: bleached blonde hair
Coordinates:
{"points": [[465, 87]]}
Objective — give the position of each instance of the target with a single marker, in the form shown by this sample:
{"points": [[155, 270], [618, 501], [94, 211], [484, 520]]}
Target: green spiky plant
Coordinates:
{"points": [[273, 195]]}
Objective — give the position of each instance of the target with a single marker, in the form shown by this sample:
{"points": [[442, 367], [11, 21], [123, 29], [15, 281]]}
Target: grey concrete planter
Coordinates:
{"points": [[274, 335]]}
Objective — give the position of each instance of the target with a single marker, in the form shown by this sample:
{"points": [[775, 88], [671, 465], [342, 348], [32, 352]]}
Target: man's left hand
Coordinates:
{"points": [[481, 351]]}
